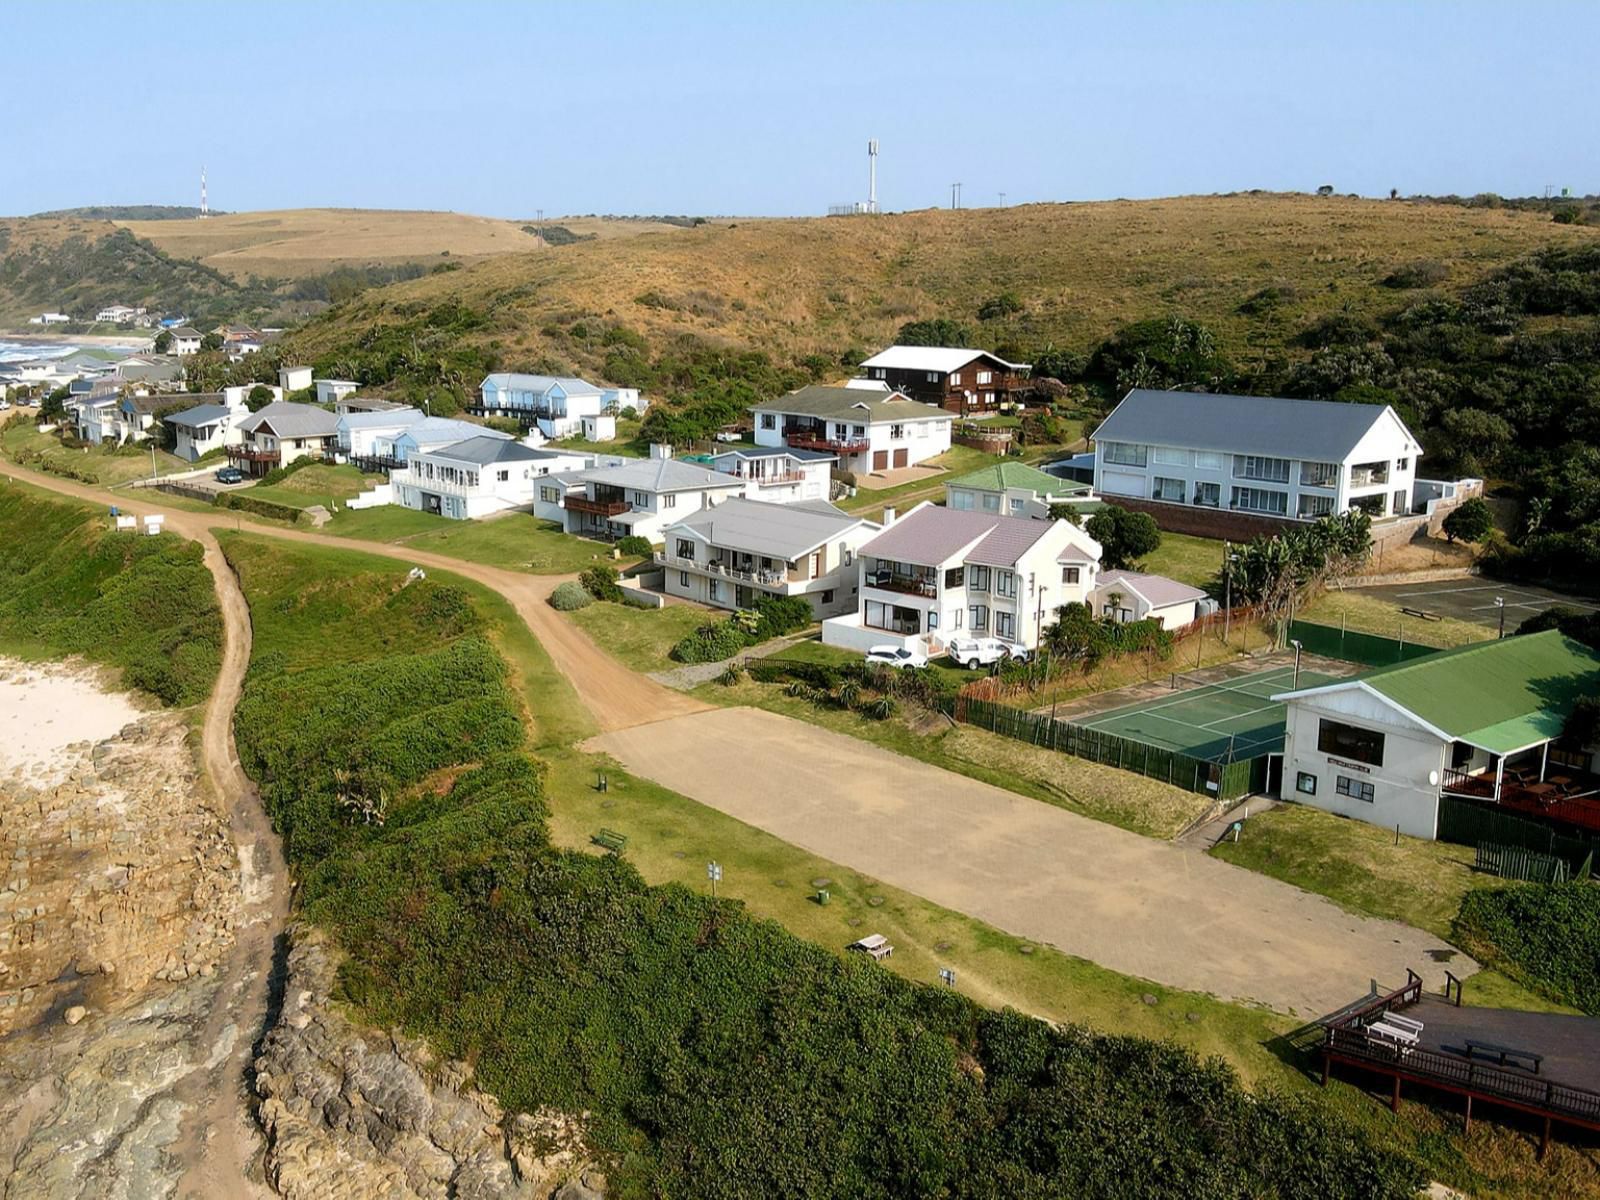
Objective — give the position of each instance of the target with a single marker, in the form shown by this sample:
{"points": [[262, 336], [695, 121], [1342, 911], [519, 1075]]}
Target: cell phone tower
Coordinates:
{"points": [[204, 210], [872, 176]]}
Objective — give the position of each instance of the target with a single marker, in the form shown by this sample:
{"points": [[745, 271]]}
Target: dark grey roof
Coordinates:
{"points": [[486, 450], [929, 535], [852, 404], [1320, 430], [201, 414]]}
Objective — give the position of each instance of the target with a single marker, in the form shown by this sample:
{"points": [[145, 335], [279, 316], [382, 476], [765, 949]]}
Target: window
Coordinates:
{"points": [[985, 377], [1400, 464], [956, 618], [1319, 474], [1167, 489], [642, 499], [897, 433], [685, 548], [1123, 453], [991, 502], [1350, 741], [858, 431], [980, 617], [1208, 494], [1166, 456], [978, 579], [846, 555], [961, 501], [933, 377], [1071, 574], [1207, 460], [827, 596], [1356, 789], [502, 476], [955, 378], [933, 619], [1257, 466], [1369, 474], [954, 577], [1315, 506], [1305, 781], [714, 589], [1016, 505], [669, 500], [769, 420], [1260, 500], [1005, 583], [550, 495], [1005, 625], [683, 579]]}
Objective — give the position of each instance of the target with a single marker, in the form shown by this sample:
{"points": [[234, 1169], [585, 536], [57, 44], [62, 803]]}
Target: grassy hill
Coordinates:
{"points": [[1253, 268]]}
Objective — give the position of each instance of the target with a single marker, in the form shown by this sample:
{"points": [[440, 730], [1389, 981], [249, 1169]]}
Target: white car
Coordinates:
{"points": [[896, 656], [973, 653]]}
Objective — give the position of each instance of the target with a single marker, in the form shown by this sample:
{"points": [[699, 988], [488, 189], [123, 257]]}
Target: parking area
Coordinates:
{"points": [[1473, 599]]}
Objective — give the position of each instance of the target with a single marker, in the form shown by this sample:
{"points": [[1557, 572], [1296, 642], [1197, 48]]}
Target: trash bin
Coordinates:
{"points": [[822, 896]]}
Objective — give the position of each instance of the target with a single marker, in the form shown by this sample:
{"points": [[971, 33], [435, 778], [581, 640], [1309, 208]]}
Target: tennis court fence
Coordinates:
{"points": [[1369, 649], [1222, 780]]}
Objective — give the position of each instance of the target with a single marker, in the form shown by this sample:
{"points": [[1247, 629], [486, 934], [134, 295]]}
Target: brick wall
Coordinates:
{"points": [[1204, 522]]}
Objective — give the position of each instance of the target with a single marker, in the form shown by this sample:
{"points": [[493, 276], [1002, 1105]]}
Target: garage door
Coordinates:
{"points": [[1121, 483], [900, 457], [880, 460]]}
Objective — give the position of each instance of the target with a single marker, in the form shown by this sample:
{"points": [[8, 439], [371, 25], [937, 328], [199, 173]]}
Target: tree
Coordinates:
{"points": [[941, 331], [163, 341], [258, 397], [1057, 363], [1070, 513], [1125, 537], [1325, 190], [996, 307], [54, 405], [1274, 573], [211, 341], [1161, 353], [1470, 522]]}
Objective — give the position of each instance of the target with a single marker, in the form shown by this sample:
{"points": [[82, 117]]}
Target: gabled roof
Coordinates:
{"points": [[1002, 475], [186, 331], [754, 452], [1156, 590], [662, 475], [942, 359], [441, 431], [483, 450], [928, 535], [284, 418], [540, 384], [154, 403], [1500, 695], [372, 404], [200, 414], [786, 531], [1319, 430], [394, 418], [852, 404]]}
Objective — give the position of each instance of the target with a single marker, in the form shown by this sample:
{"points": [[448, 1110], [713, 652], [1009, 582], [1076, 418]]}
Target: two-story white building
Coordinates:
{"points": [[868, 430], [281, 433], [643, 497], [940, 573], [1484, 722], [1261, 455], [208, 426], [780, 474], [556, 404], [185, 340], [737, 551], [477, 477]]}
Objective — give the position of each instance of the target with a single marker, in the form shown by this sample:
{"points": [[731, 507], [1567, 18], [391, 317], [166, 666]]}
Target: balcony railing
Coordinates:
{"points": [[1368, 478], [775, 478], [910, 585], [1570, 797], [816, 441], [250, 454], [765, 578], [598, 508]]}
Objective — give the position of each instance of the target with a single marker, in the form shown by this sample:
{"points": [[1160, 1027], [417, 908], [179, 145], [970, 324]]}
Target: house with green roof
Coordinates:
{"points": [[1014, 489], [1485, 721]]}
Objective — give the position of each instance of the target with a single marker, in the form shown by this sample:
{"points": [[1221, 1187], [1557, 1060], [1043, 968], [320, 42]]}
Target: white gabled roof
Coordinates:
{"points": [[943, 359]]}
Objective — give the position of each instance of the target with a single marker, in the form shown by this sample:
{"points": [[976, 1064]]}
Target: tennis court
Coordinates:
{"points": [[1223, 721]]}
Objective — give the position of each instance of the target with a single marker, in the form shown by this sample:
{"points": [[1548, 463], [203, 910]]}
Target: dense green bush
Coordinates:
{"points": [[634, 545], [570, 596], [245, 502], [143, 604], [600, 581], [1546, 936], [772, 616], [712, 642], [1471, 521], [279, 474]]}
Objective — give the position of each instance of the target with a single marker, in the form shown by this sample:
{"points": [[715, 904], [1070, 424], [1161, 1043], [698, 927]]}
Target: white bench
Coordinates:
{"points": [[1400, 1022], [1403, 1038]]}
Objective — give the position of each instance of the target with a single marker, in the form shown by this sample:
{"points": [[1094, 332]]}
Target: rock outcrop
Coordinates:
{"points": [[351, 1113]]}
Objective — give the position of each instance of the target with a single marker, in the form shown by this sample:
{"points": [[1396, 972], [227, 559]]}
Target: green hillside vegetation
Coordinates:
{"points": [[1546, 936], [717, 1055], [144, 605], [126, 212]]}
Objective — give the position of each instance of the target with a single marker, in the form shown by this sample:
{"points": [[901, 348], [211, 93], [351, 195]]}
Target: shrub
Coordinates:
{"points": [[245, 502], [634, 545], [1543, 935], [279, 474], [1425, 273], [1471, 521], [996, 307], [570, 596], [711, 643], [600, 581]]}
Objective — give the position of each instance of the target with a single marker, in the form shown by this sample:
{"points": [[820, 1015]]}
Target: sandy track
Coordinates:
{"points": [[1133, 904]]}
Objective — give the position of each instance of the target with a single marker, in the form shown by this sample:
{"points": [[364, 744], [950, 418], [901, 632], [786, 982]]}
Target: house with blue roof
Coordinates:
{"points": [[557, 404], [430, 433]]}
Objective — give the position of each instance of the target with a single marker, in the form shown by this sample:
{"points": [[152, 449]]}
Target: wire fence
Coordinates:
{"points": [[1351, 645]]}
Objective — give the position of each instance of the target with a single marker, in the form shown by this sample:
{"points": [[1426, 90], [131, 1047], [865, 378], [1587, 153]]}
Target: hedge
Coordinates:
{"points": [[245, 502], [771, 616], [1546, 936]]}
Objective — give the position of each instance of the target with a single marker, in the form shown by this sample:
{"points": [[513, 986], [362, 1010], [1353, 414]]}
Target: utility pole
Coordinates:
{"points": [[955, 195], [1002, 199]]}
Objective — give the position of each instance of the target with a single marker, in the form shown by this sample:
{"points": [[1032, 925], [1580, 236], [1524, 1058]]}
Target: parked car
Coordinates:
{"points": [[229, 475], [973, 653], [896, 656]]}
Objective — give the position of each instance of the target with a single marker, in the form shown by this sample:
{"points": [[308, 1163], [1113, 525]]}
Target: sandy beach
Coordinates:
{"points": [[46, 708]]}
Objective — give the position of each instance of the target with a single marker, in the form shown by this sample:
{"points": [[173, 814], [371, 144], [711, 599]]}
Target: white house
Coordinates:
{"points": [[185, 340], [1483, 721], [359, 432], [556, 403], [329, 391], [781, 475], [734, 553], [1015, 489], [643, 497], [939, 573], [350, 403], [294, 379], [1135, 596], [601, 427], [280, 433], [238, 394], [118, 314], [868, 430], [49, 318], [1291, 459], [618, 400], [430, 433], [479, 476], [206, 427]]}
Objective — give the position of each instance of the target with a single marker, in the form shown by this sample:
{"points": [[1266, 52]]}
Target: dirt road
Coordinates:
{"points": [[1136, 905]]}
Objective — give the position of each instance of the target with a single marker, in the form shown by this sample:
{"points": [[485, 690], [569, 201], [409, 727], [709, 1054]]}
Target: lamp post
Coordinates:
{"points": [[1500, 603], [1228, 559], [1296, 685]]}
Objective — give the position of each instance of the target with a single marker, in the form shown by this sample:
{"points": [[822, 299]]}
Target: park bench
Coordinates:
{"points": [[1402, 1022], [611, 840], [1421, 614], [1403, 1039], [1503, 1053]]}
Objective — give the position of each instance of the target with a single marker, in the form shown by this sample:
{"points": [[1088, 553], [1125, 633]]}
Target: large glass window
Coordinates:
{"points": [[1369, 474], [1257, 466], [1167, 489], [1005, 583], [1207, 460], [1166, 456], [1070, 574], [1005, 625], [954, 577], [1350, 741], [1261, 500], [978, 578], [1315, 506], [1123, 453], [1208, 494], [1319, 474], [685, 548], [980, 617], [961, 501]]}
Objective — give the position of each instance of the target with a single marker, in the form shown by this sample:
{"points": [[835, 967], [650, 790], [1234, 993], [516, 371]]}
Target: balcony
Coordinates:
{"points": [[1565, 795], [725, 570], [776, 478], [1369, 475], [909, 585], [250, 454], [813, 440], [597, 508]]}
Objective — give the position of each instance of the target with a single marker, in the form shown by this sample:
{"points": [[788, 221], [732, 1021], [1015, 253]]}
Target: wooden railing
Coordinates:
{"points": [[599, 508], [814, 441]]}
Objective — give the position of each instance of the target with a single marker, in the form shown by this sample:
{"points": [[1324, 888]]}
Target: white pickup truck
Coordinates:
{"points": [[973, 653]]}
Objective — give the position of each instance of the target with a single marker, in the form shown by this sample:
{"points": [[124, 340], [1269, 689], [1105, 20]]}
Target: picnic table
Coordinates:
{"points": [[1502, 1053], [874, 944]]}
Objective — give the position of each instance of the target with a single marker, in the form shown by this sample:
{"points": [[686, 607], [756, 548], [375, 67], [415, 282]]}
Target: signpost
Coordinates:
{"points": [[949, 976], [713, 873]]}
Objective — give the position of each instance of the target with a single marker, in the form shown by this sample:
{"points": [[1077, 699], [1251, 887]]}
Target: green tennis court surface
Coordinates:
{"points": [[1225, 721]]}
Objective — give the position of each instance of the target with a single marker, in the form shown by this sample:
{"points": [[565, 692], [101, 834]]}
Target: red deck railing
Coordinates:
{"points": [[812, 441], [600, 508], [1575, 800]]}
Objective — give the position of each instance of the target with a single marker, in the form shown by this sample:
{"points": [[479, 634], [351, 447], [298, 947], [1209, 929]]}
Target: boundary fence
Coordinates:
{"points": [[1471, 823], [1513, 862], [1350, 645]]}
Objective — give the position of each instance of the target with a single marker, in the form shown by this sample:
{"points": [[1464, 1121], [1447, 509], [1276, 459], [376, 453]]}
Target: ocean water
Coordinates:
{"points": [[27, 351]]}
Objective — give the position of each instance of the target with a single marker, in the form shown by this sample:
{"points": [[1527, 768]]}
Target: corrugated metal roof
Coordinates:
{"points": [[942, 359], [929, 535], [662, 475], [540, 384], [441, 431], [395, 418], [1318, 430], [785, 531], [852, 404], [200, 414], [287, 419], [1158, 590], [485, 450], [1002, 475]]}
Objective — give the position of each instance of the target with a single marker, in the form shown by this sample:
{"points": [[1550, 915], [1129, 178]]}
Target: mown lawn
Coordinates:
{"points": [[1192, 560], [323, 483], [641, 637], [1372, 614], [515, 541], [21, 439]]}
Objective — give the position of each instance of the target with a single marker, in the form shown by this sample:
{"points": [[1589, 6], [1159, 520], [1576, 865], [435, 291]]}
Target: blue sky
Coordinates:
{"points": [[763, 107]]}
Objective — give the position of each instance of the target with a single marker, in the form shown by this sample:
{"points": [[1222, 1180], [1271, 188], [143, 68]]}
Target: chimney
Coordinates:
{"points": [[660, 450], [888, 517]]}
